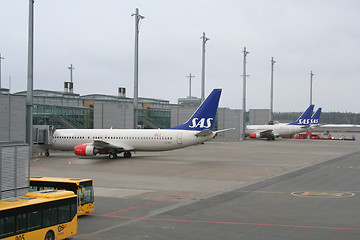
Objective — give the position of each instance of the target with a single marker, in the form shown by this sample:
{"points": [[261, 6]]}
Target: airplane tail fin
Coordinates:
{"points": [[305, 118], [316, 117], [204, 116]]}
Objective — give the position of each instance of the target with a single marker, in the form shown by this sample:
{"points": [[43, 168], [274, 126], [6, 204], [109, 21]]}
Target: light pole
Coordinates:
{"points": [[138, 17], [272, 89], [0, 68], [311, 82], [243, 135], [29, 96], [190, 77], [71, 72], [205, 39]]}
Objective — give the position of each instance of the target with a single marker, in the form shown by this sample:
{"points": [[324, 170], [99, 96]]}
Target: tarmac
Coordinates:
{"points": [[253, 189]]}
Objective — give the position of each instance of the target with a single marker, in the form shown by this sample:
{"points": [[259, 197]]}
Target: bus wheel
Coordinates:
{"points": [[49, 235]]}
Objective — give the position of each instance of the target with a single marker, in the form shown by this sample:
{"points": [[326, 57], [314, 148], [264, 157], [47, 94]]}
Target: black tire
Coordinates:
{"points": [[50, 235], [112, 156], [127, 154], [47, 154]]}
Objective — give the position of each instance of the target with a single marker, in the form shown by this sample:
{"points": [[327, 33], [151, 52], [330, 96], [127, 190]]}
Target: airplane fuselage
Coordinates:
{"points": [[278, 130], [130, 139]]}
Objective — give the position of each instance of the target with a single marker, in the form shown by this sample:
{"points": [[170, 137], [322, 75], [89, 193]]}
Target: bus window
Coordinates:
{"points": [[33, 188], [21, 223], [34, 220], [7, 226], [49, 217], [64, 214], [73, 210]]}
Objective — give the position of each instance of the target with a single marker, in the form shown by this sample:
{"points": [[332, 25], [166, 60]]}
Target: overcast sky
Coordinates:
{"points": [[97, 37]]}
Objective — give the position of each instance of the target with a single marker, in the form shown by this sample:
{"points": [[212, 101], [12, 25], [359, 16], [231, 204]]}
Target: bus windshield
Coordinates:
{"points": [[87, 196]]}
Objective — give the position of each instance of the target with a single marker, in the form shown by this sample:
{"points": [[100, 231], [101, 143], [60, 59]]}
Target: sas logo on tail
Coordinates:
{"points": [[201, 123], [308, 121]]}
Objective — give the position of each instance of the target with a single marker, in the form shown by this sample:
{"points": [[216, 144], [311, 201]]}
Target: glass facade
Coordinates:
{"points": [[151, 118], [61, 110], [70, 110]]}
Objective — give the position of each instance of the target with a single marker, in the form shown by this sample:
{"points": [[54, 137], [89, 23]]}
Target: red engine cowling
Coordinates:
{"points": [[84, 150], [254, 135]]}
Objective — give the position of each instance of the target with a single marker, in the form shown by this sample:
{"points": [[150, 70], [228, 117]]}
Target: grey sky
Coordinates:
{"points": [[97, 37]]}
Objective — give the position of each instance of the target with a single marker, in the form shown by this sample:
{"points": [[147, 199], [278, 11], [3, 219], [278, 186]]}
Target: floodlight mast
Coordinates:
{"points": [[138, 17], [71, 72], [0, 68], [272, 90], [190, 77], [243, 135], [311, 82], [29, 96], [205, 39]]}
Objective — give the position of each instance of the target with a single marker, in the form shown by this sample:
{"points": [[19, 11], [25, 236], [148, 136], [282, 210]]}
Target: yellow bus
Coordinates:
{"points": [[48, 214], [83, 188]]}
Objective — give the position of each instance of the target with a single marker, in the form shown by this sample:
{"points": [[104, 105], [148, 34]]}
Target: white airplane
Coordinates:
{"points": [[89, 142], [270, 132], [315, 119]]}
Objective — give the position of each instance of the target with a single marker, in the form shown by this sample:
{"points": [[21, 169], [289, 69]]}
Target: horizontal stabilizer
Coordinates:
{"points": [[223, 130], [204, 133]]}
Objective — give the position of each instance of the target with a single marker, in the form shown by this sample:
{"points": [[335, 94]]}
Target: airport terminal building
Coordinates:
{"points": [[66, 109]]}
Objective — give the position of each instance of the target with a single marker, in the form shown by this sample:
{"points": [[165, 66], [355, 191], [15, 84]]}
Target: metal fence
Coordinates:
{"points": [[14, 169]]}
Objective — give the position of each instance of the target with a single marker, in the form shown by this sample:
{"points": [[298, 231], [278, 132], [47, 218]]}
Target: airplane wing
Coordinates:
{"points": [[100, 144]]}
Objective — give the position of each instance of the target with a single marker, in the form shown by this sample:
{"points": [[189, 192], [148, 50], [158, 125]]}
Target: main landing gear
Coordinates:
{"points": [[127, 154], [113, 155], [47, 153]]}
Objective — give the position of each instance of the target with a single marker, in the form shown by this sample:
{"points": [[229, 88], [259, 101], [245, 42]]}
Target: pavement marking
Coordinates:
{"points": [[323, 194], [269, 192], [236, 223], [350, 167], [145, 204]]}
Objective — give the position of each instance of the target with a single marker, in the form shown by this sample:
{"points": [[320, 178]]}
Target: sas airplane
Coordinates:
{"points": [[315, 119], [270, 132], [89, 142]]}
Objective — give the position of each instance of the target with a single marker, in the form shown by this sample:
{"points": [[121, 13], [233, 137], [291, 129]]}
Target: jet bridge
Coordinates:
{"points": [[42, 134]]}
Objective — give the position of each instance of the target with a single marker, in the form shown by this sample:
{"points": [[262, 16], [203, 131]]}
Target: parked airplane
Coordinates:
{"points": [[315, 118], [270, 132], [88, 142]]}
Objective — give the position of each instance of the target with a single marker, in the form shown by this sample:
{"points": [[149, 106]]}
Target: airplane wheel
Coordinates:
{"points": [[47, 154], [127, 154], [112, 156]]}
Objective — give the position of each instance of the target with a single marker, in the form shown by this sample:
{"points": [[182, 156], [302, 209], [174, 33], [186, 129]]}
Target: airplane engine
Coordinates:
{"points": [[254, 135], [84, 150]]}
